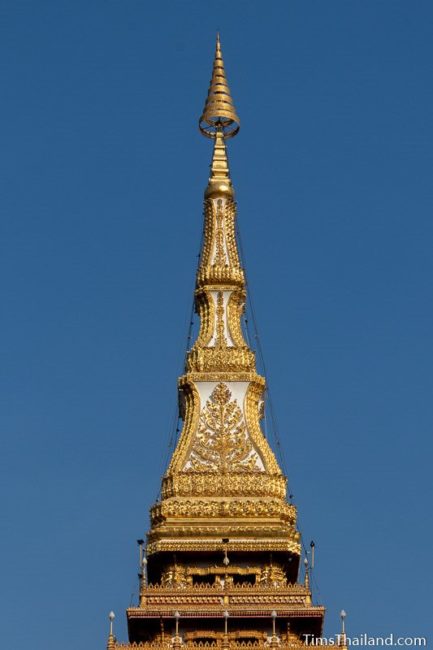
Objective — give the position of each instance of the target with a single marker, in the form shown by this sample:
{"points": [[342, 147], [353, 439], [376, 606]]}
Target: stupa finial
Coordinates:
{"points": [[219, 113]]}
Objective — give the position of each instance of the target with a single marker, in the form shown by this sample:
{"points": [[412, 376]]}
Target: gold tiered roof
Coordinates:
{"points": [[223, 550]]}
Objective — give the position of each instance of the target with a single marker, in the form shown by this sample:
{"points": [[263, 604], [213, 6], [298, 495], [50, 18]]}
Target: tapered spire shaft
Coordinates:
{"points": [[219, 179]]}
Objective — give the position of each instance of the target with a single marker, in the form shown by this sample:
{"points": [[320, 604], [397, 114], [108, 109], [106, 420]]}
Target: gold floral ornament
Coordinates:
{"points": [[220, 258], [221, 341], [222, 443]]}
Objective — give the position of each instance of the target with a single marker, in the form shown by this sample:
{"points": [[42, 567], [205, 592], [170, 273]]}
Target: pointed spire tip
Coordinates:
{"points": [[219, 113]]}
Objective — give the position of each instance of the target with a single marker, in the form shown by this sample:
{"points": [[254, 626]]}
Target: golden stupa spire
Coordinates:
{"points": [[223, 549], [223, 476]]}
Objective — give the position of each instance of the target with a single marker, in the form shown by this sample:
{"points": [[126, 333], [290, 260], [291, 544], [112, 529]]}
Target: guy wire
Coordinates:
{"points": [[174, 429]]}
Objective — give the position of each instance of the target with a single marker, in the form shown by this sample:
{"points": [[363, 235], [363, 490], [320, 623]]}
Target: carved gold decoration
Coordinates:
{"points": [[218, 376], [220, 341], [253, 406], [220, 258], [216, 570], [272, 529], [191, 400], [191, 408], [245, 508], [219, 359], [175, 576], [208, 595], [220, 237], [158, 592], [235, 310], [222, 443], [272, 576], [229, 643], [212, 320], [199, 484], [230, 230], [205, 308], [209, 540]]}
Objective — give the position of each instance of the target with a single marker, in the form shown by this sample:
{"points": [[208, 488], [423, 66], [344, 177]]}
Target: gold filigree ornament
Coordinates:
{"points": [[222, 443], [220, 258], [220, 262], [221, 341]]}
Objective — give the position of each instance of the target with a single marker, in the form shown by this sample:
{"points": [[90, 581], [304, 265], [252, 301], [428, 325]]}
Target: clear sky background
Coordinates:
{"points": [[101, 180]]}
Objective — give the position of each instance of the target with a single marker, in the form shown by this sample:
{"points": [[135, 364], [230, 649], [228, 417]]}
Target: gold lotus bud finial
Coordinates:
{"points": [[219, 113]]}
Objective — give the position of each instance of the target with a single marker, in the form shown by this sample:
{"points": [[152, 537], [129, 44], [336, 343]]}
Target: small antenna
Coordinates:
{"points": [[140, 543], [343, 616], [307, 576], [142, 565], [312, 546]]}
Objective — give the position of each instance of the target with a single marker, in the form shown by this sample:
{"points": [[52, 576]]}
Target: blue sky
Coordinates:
{"points": [[102, 171]]}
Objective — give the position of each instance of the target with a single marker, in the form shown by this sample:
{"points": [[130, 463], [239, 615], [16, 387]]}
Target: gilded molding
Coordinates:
{"points": [[220, 359], [221, 376], [191, 400], [220, 337], [253, 401], [235, 309], [209, 484], [277, 544], [200, 508], [220, 258], [205, 308], [231, 643]]}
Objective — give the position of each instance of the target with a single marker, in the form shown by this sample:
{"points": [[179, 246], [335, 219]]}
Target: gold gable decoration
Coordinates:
{"points": [[222, 443]]}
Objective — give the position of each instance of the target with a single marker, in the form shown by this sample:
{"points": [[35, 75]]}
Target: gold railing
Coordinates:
{"points": [[218, 588], [293, 644], [217, 597]]}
